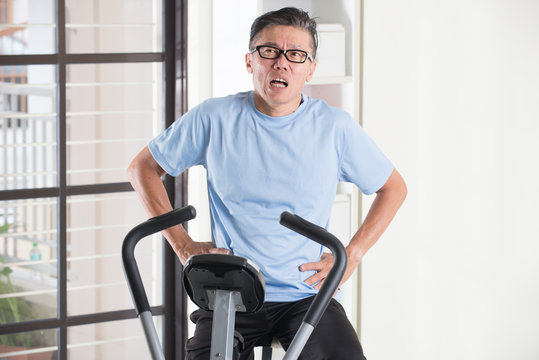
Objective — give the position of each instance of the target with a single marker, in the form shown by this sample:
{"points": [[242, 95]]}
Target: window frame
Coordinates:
{"points": [[173, 57]]}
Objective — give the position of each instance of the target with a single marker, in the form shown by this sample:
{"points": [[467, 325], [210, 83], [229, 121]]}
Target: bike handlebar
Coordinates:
{"points": [[178, 216], [150, 226], [332, 281]]}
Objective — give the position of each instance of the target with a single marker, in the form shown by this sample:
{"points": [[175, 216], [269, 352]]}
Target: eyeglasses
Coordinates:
{"points": [[292, 55]]}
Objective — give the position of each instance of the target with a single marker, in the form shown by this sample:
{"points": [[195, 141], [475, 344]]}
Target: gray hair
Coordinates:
{"points": [[290, 16]]}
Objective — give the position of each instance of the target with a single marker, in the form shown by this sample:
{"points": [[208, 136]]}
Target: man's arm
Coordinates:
{"points": [[144, 173], [388, 200]]}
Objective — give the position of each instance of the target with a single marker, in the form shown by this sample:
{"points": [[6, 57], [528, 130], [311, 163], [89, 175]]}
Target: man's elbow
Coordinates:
{"points": [[396, 186], [403, 189], [138, 166], [130, 172], [400, 185]]}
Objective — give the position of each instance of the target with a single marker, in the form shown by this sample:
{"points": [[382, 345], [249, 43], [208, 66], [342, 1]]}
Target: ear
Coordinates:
{"points": [[310, 74], [248, 64]]}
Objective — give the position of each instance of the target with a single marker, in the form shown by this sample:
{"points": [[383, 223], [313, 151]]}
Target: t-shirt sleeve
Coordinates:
{"points": [[183, 144], [362, 161]]}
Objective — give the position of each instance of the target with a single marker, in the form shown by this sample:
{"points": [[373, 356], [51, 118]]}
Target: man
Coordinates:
{"points": [[267, 151]]}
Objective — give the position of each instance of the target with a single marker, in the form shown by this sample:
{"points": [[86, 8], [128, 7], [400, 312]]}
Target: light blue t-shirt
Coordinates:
{"points": [[259, 166]]}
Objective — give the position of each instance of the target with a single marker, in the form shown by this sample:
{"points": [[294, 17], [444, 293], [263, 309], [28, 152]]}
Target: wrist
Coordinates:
{"points": [[355, 254], [181, 244]]}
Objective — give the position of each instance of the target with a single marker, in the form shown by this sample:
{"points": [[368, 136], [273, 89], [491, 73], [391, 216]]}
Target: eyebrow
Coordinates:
{"points": [[293, 47]]}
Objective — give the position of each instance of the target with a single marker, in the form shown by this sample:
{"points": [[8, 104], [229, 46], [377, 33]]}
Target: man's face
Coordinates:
{"points": [[278, 83]]}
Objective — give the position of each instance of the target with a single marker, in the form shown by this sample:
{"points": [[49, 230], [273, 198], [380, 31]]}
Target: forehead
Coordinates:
{"points": [[285, 36]]}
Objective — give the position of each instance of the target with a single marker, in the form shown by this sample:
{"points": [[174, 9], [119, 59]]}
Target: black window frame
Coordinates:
{"points": [[174, 59]]}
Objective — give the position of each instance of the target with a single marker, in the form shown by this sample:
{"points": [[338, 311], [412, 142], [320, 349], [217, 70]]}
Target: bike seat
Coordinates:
{"points": [[206, 273]]}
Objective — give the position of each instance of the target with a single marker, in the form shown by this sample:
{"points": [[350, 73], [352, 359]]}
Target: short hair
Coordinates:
{"points": [[290, 16]]}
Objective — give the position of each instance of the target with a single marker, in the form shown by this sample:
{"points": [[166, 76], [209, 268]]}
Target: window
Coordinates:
{"points": [[83, 87]]}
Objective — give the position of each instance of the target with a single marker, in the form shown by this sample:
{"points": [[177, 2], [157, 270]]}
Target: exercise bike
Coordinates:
{"points": [[226, 284]]}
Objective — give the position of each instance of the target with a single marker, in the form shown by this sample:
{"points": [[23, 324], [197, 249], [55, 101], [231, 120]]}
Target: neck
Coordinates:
{"points": [[276, 110]]}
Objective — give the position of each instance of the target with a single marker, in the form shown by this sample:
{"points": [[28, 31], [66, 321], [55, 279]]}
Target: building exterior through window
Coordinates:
{"points": [[82, 90]]}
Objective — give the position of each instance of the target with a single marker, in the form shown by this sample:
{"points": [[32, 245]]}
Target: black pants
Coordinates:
{"points": [[333, 338]]}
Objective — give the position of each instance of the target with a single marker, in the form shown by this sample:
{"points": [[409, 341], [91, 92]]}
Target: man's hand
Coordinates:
{"points": [[196, 248], [388, 200], [323, 267]]}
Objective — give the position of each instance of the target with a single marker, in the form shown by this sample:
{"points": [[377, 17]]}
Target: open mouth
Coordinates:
{"points": [[279, 83]]}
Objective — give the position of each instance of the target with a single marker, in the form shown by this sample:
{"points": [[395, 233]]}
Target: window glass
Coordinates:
{"points": [[28, 262], [31, 345], [112, 113], [97, 226], [110, 340], [27, 27], [27, 127], [113, 26]]}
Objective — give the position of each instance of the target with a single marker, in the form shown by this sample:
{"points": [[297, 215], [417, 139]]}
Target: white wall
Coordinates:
{"points": [[216, 68], [451, 93]]}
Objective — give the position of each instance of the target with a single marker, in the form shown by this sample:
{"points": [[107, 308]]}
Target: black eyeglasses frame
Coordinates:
{"points": [[258, 47]]}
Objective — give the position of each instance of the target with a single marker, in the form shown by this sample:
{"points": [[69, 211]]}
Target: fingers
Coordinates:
{"points": [[316, 266], [316, 280], [325, 262], [219, 251], [207, 248], [321, 267], [197, 248]]}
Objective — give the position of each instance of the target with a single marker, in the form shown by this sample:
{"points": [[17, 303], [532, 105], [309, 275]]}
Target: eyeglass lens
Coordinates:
{"points": [[270, 52]]}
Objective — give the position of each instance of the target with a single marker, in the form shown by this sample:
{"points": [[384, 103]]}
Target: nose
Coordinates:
{"points": [[281, 63]]}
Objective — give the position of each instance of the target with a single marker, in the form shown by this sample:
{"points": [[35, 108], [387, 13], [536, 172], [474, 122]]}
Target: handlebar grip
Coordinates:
{"points": [[332, 281], [150, 226]]}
